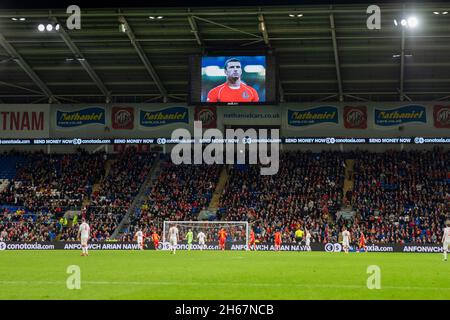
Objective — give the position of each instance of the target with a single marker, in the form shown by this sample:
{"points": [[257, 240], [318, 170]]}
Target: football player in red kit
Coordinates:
{"points": [[362, 242], [252, 241], [234, 90], [277, 238], [222, 238]]}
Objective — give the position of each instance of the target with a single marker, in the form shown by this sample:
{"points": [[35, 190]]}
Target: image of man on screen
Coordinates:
{"points": [[234, 89]]}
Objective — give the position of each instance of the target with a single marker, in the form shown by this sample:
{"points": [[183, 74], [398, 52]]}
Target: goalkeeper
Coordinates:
{"points": [[189, 238]]}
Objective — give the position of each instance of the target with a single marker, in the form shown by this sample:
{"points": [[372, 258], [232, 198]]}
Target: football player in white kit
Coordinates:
{"points": [[446, 239], [345, 240], [83, 235], [308, 240], [201, 240], [139, 237], [173, 238]]}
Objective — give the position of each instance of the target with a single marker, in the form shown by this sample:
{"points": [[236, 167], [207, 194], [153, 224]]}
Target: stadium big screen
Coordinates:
{"points": [[233, 80]]}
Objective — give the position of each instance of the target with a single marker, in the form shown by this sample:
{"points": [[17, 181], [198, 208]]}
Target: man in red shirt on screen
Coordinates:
{"points": [[234, 90]]}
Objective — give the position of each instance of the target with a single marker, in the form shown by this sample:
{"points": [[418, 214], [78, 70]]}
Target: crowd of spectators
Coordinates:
{"points": [[398, 196], [180, 192], [103, 221], [46, 185], [304, 193], [47, 181], [118, 189], [128, 171], [40, 226], [402, 196]]}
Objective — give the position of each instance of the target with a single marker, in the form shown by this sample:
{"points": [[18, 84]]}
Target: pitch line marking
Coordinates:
{"points": [[161, 283]]}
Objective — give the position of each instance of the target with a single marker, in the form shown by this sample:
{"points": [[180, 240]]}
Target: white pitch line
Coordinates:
{"points": [[199, 284]]}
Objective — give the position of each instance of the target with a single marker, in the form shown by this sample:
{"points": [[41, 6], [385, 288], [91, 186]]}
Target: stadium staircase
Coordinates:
{"points": [[108, 166], [223, 179], [97, 186], [349, 181], [86, 202], [346, 211], [134, 208]]}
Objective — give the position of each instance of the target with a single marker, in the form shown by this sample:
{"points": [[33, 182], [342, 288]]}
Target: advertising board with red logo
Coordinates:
{"points": [[207, 115], [441, 115], [355, 117], [122, 118]]}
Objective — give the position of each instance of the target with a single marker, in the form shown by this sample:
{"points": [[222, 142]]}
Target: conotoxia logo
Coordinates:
{"points": [[29, 246], [168, 246], [375, 248], [2, 246], [333, 247]]}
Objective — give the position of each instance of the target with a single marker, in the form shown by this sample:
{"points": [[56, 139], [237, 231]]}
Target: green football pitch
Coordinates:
{"points": [[222, 275]]}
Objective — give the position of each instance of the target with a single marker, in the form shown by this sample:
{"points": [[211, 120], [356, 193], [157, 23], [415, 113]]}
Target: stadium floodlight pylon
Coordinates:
{"points": [[238, 232]]}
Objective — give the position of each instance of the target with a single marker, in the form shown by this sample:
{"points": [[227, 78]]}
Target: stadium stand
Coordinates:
{"points": [[402, 197], [398, 196], [45, 186], [180, 193], [306, 190], [47, 180], [16, 226]]}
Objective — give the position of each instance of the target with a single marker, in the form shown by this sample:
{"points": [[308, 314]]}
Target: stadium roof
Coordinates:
{"points": [[326, 54]]}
